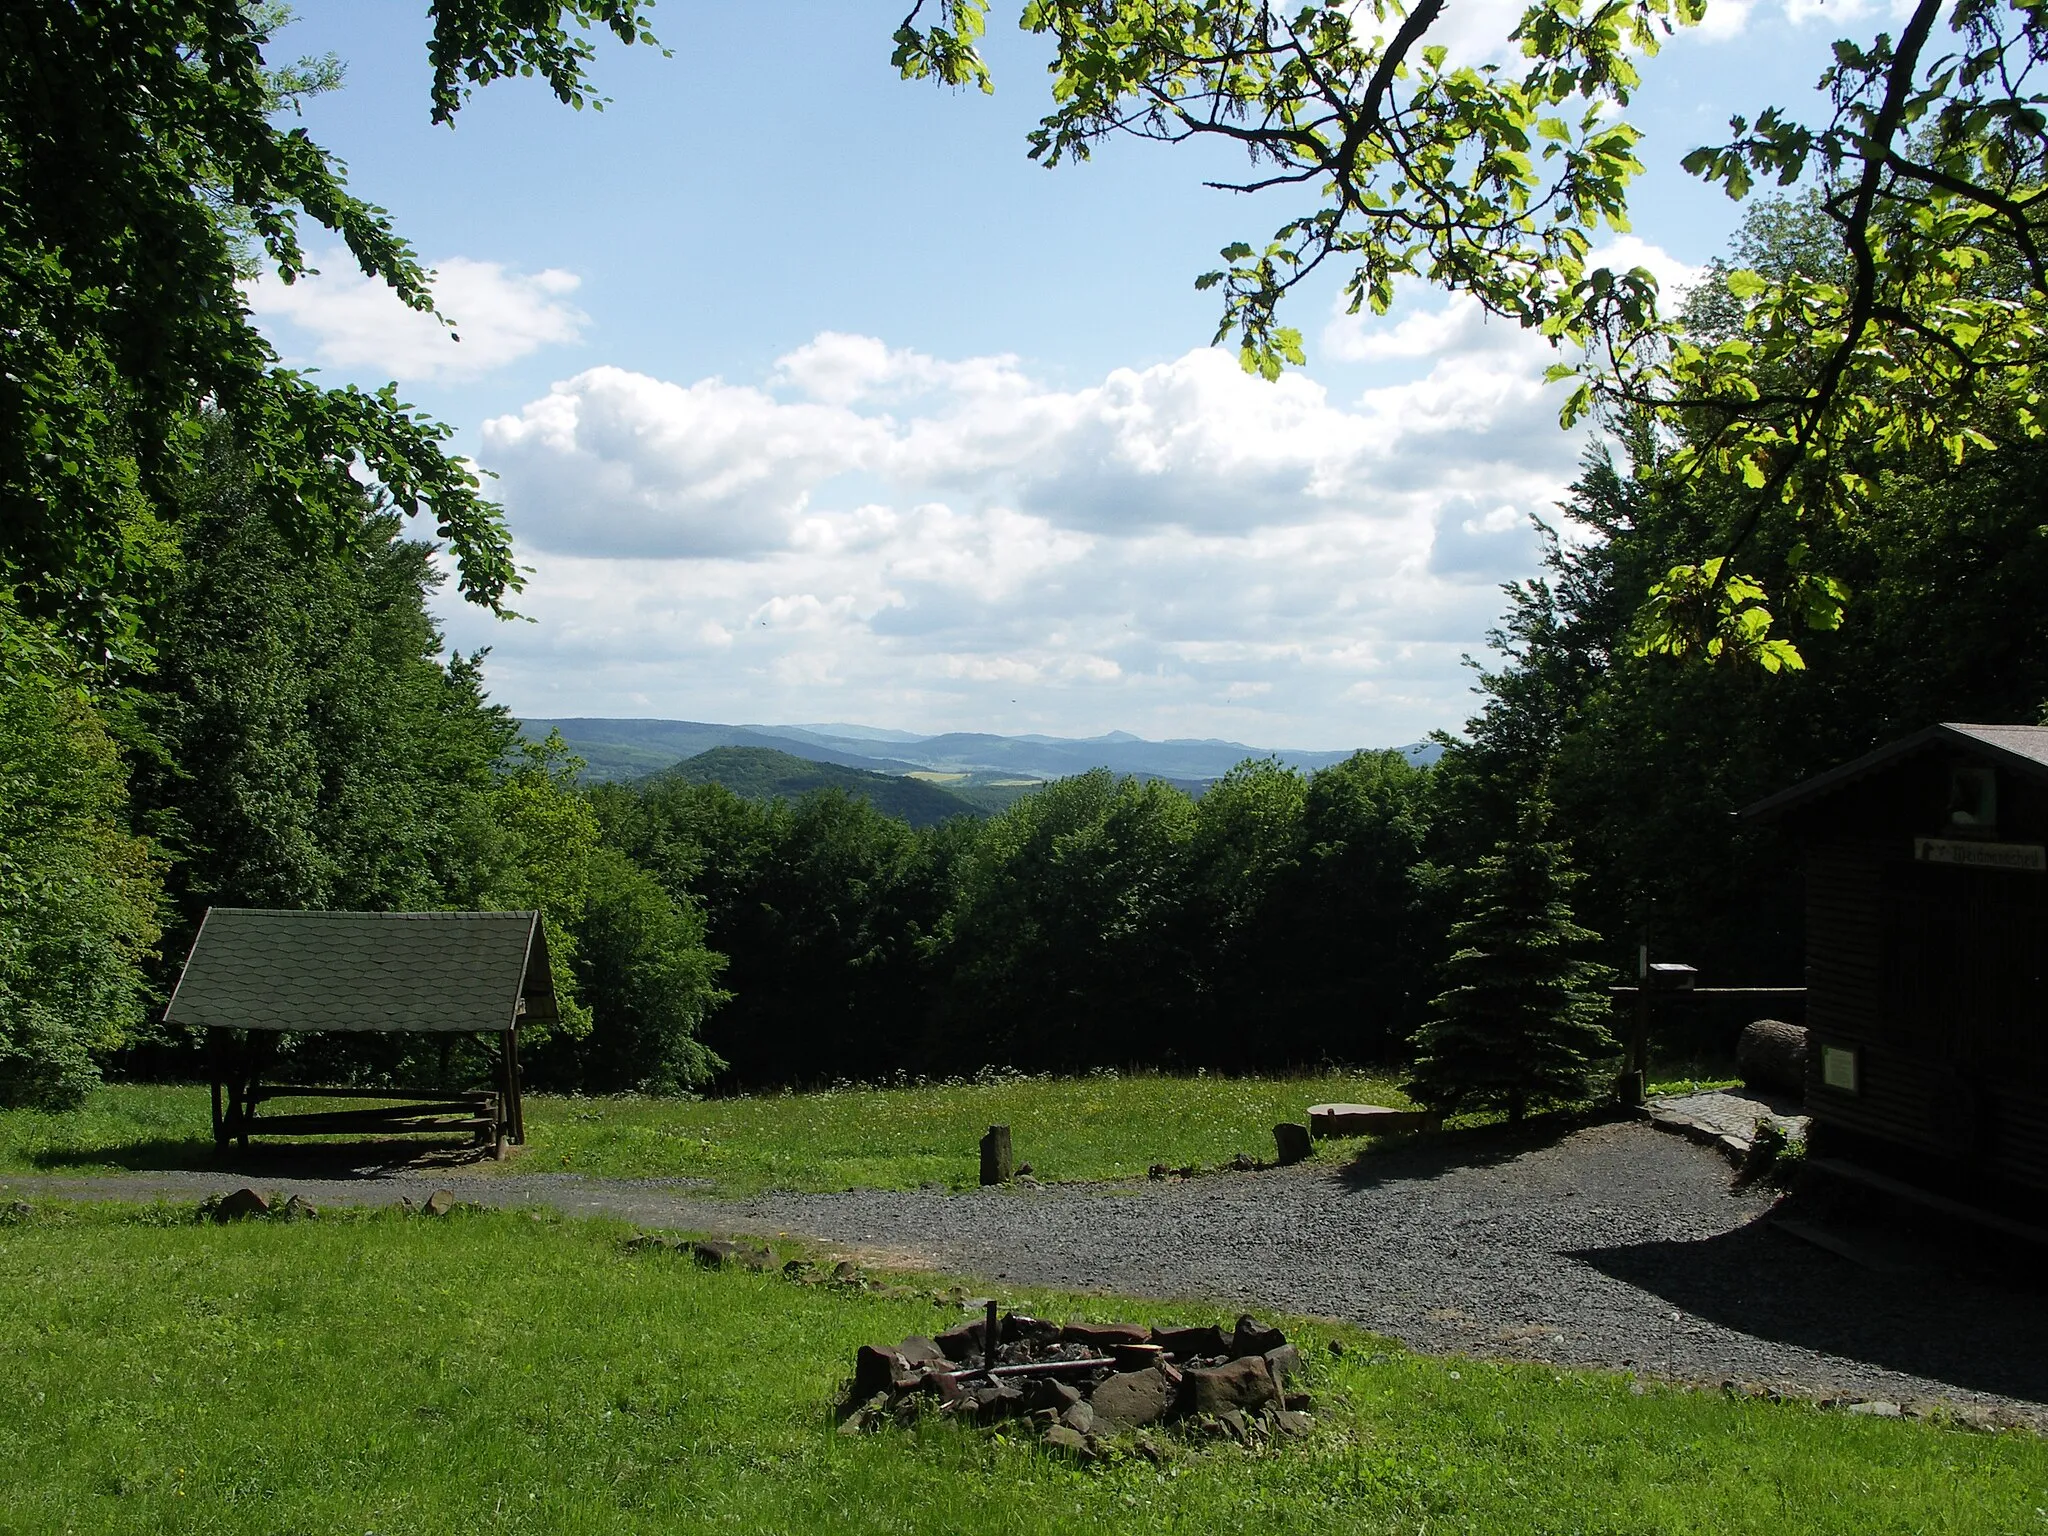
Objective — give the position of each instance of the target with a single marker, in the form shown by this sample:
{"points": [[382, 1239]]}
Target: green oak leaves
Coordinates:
{"points": [[1919, 335]]}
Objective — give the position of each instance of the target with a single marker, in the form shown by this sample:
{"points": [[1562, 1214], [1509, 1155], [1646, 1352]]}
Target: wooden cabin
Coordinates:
{"points": [[1926, 935], [254, 975]]}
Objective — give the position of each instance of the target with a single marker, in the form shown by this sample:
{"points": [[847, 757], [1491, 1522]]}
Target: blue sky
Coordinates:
{"points": [[812, 398]]}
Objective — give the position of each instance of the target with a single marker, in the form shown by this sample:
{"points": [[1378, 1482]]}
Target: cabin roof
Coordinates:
{"points": [[410, 972], [2022, 747]]}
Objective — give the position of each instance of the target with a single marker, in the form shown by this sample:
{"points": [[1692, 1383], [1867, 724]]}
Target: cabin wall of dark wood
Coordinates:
{"points": [[1933, 974]]}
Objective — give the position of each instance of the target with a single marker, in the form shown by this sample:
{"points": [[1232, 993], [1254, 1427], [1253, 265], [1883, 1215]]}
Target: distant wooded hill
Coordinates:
{"points": [[632, 749], [627, 749], [762, 773]]}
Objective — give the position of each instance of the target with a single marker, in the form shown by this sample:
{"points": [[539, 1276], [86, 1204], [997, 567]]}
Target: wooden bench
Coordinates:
{"points": [[1368, 1120]]}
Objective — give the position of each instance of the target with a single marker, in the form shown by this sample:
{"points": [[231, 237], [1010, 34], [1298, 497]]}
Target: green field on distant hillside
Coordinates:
{"points": [[760, 773]]}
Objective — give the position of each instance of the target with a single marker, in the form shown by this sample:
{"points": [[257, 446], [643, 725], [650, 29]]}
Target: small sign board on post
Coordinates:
{"points": [[2027, 858]]}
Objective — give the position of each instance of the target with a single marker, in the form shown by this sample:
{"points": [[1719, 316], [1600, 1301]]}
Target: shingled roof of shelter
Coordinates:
{"points": [[2024, 747], [397, 971]]}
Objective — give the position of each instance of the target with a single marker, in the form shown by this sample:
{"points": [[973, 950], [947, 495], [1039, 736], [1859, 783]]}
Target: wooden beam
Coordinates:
{"points": [[308, 1091], [517, 1107], [343, 1123], [468, 1108], [1714, 991], [214, 1075]]}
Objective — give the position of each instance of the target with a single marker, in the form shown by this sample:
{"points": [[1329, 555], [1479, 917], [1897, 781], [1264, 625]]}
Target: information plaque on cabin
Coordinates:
{"points": [[2028, 858]]}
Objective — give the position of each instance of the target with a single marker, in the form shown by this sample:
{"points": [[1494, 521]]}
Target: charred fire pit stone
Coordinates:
{"points": [[1252, 1337], [1041, 1392], [1284, 1365], [1242, 1383], [876, 1368], [1138, 1357], [1104, 1336], [1068, 1442], [1133, 1399], [963, 1342], [998, 1400], [1191, 1343]]}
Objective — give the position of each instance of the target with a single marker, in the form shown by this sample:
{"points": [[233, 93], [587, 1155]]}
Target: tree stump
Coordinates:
{"points": [[995, 1155]]}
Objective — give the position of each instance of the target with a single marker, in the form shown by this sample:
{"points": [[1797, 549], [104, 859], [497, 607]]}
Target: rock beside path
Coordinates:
{"points": [[240, 1205]]}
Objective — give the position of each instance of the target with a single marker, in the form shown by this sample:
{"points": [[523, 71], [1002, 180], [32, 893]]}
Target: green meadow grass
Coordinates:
{"points": [[499, 1372], [1101, 1127]]}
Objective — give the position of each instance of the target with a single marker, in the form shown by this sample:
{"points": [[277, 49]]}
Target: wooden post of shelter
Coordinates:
{"points": [[1635, 1064], [512, 1119], [215, 1074]]}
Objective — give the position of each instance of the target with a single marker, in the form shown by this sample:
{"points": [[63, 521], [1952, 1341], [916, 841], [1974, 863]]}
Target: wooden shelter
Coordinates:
{"points": [[1926, 936], [254, 975]]}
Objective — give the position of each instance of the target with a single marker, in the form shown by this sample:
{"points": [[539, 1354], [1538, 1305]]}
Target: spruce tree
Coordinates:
{"points": [[1521, 1021]]}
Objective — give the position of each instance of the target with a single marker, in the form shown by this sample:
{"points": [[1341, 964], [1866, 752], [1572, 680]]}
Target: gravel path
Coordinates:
{"points": [[1617, 1246]]}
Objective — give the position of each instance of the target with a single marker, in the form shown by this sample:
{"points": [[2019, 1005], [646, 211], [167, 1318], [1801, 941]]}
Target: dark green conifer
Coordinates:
{"points": [[1522, 1019]]}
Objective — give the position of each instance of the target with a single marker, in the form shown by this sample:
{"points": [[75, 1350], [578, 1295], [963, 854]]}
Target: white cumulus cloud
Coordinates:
{"points": [[354, 322], [1626, 252], [615, 462], [873, 533]]}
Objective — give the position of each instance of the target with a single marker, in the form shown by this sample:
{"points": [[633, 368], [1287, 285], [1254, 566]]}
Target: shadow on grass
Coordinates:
{"points": [[352, 1159], [1430, 1155], [1974, 1333], [153, 1156]]}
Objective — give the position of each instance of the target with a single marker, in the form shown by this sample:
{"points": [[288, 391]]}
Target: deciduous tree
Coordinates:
{"points": [[144, 167], [1928, 157]]}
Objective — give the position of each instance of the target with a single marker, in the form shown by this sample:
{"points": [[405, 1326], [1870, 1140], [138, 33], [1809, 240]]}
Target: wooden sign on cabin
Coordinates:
{"points": [[1926, 936], [256, 974]]}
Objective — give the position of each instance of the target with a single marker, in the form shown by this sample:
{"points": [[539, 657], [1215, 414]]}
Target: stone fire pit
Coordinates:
{"points": [[1077, 1383]]}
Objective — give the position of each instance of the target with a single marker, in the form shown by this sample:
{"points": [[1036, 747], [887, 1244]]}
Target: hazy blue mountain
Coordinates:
{"points": [[1051, 757], [615, 749], [847, 732]]}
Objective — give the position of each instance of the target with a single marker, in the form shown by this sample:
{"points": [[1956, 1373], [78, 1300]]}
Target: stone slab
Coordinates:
{"points": [[1727, 1116]]}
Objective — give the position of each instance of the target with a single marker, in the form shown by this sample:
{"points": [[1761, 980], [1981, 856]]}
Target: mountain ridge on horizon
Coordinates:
{"points": [[620, 748]]}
